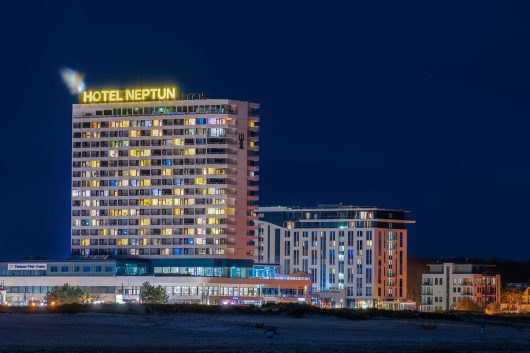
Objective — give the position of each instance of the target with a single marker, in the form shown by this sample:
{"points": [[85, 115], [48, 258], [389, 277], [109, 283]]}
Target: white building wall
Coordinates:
{"points": [[21, 289], [182, 179], [441, 291], [337, 259]]}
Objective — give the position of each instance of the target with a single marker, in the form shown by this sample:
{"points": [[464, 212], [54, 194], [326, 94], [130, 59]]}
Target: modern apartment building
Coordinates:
{"points": [[161, 176], [444, 285], [361, 251]]}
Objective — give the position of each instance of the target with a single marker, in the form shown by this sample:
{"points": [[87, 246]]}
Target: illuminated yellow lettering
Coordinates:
{"points": [[153, 93], [129, 95], [87, 96], [96, 96], [171, 93]]}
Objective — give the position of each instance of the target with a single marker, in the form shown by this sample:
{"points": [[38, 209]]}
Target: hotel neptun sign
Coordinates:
{"points": [[128, 95], [136, 95]]}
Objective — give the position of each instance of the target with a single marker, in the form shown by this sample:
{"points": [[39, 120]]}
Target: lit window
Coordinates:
{"points": [[200, 181], [145, 221], [167, 202]]}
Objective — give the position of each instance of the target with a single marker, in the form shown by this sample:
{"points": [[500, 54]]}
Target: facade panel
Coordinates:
{"points": [[165, 179], [360, 251]]}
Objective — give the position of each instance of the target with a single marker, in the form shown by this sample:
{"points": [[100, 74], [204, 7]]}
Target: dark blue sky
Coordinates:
{"points": [[414, 105]]}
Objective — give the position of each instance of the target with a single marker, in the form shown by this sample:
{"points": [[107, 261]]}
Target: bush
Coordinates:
{"points": [[290, 310], [467, 304], [150, 294], [74, 308], [64, 294]]}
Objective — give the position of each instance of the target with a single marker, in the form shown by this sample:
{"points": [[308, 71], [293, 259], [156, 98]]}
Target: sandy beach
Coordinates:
{"points": [[238, 333]]}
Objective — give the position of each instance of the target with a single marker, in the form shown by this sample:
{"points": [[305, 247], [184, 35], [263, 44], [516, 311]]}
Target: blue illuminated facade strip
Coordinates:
{"points": [[140, 267]]}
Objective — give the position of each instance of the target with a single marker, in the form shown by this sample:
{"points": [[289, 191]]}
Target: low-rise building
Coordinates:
{"points": [[449, 286], [119, 280]]}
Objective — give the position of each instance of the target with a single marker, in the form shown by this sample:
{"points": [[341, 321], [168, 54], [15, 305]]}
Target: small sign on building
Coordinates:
{"points": [[26, 266]]}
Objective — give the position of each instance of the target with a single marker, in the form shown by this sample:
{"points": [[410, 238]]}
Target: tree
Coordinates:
{"points": [[90, 298], [511, 296], [467, 304], [493, 308], [9, 299], [64, 294], [150, 294]]}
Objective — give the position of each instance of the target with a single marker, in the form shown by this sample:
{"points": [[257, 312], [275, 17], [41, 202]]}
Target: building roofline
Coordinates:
{"points": [[326, 208], [163, 102]]}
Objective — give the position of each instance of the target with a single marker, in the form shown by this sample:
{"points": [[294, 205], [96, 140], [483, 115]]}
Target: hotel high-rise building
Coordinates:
{"points": [[360, 252], [164, 190], [161, 176]]}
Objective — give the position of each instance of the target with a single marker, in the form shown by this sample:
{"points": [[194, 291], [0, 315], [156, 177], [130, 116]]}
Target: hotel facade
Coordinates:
{"points": [[357, 253], [173, 179], [164, 189]]}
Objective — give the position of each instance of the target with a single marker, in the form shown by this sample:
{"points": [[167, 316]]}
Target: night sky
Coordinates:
{"points": [[415, 105]]}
